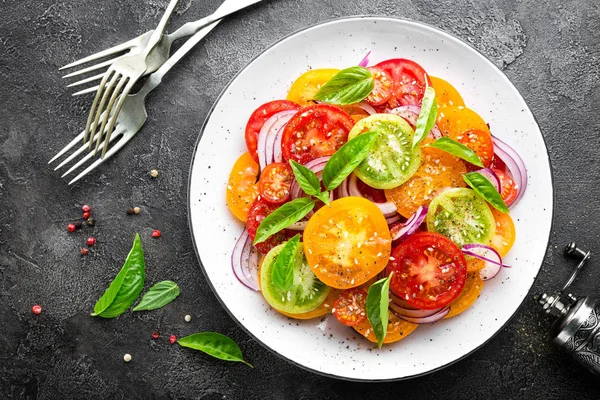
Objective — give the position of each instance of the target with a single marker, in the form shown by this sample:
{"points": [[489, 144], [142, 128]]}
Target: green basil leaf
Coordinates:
{"points": [[308, 180], [158, 296], [283, 269], [126, 286], [214, 344], [485, 189], [427, 116], [349, 86], [378, 301], [283, 217], [457, 149], [342, 162], [324, 197]]}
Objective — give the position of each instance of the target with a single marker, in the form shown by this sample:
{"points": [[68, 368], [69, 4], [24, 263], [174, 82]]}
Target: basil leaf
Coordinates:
{"points": [[378, 301], [457, 149], [308, 180], [485, 189], [126, 286], [350, 85], [158, 296], [283, 269], [427, 116], [342, 162], [214, 344], [283, 217]]}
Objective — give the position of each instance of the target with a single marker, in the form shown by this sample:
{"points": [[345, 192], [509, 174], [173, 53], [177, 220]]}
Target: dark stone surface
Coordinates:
{"points": [[548, 48]]}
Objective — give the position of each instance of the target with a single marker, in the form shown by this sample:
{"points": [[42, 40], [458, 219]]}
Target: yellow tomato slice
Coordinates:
{"points": [[454, 121], [347, 243], [303, 90], [468, 296], [397, 329], [446, 95], [505, 235], [242, 189]]}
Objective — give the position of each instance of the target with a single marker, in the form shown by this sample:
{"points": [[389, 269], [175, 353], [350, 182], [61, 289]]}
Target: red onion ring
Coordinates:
{"points": [[317, 165], [412, 224], [393, 219], [365, 61], [388, 208], [516, 167], [493, 261], [268, 135], [426, 320], [410, 114], [401, 307], [367, 107], [244, 262], [298, 226], [492, 177]]}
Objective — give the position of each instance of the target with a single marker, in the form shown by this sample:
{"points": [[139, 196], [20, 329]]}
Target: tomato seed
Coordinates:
{"points": [[91, 241], [155, 335], [86, 208], [71, 227], [36, 309], [172, 339], [156, 233]]}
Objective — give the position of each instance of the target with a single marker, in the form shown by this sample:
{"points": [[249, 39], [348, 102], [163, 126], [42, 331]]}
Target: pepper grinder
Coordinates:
{"points": [[577, 327]]}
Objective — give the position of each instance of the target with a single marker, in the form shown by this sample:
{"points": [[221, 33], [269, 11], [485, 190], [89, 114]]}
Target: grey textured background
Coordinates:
{"points": [[548, 48]]}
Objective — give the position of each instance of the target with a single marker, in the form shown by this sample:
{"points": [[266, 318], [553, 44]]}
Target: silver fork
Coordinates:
{"points": [[158, 55], [133, 114]]}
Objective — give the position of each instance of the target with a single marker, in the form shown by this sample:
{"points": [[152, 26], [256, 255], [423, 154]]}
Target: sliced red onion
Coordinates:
{"points": [[515, 165], [298, 226], [393, 219], [244, 262], [493, 261], [268, 135], [412, 224], [277, 151], [401, 307], [365, 61], [388, 208], [428, 319], [410, 114], [317, 165], [492, 177], [367, 107]]}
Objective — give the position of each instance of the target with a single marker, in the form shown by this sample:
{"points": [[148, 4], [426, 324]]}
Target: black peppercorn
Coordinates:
{"points": [[130, 211], [77, 224], [91, 222]]}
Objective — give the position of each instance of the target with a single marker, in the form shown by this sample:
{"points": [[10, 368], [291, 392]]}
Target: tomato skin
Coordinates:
{"points": [[351, 307], [508, 188], [505, 234], [410, 80], [258, 211], [382, 89], [275, 182], [446, 95], [429, 270], [468, 296], [259, 117], [481, 143], [314, 132], [305, 87], [241, 186], [397, 329]]}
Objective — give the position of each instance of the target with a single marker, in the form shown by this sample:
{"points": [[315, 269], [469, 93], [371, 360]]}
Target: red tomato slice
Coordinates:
{"points": [[258, 211], [258, 119], [350, 308], [315, 132], [430, 271], [508, 189], [410, 80], [274, 183], [497, 163], [382, 89], [481, 143]]}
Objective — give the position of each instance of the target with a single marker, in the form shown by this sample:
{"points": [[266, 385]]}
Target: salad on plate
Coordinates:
{"points": [[375, 194]]}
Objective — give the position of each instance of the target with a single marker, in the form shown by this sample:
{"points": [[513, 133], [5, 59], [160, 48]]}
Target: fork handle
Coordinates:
{"points": [[160, 29]]}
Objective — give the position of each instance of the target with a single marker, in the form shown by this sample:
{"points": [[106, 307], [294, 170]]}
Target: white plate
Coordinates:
{"points": [[324, 346]]}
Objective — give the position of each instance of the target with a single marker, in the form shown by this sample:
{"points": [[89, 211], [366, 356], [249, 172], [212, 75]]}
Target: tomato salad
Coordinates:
{"points": [[375, 194]]}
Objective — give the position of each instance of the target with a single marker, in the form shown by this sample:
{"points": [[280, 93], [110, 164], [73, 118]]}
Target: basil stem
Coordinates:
{"points": [[283, 217], [349, 86]]}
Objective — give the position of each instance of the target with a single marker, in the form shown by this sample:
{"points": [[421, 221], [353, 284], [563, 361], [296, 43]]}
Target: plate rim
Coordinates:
{"points": [[201, 135]]}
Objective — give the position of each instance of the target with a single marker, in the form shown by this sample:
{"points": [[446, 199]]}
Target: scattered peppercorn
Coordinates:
{"points": [[86, 215], [156, 233], [91, 241], [71, 227], [172, 339], [130, 211], [91, 221], [86, 208], [187, 318], [154, 173], [77, 225], [137, 210], [127, 357], [84, 252], [155, 335], [36, 309]]}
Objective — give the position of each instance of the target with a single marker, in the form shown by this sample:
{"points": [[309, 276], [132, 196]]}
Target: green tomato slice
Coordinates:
{"points": [[392, 160], [461, 215], [307, 291]]}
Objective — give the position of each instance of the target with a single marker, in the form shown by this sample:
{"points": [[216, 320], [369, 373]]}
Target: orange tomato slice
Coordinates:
{"points": [[438, 171], [446, 95], [468, 296], [397, 329], [347, 243], [304, 88], [475, 264], [505, 235], [242, 189]]}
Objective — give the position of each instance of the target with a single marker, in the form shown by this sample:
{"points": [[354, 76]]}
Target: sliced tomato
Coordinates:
{"points": [[258, 211], [410, 81], [275, 182], [347, 243], [241, 186], [397, 329], [497, 163], [315, 132], [304, 88], [446, 95], [468, 296], [481, 143], [258, 119], [350, 308], [508, 188], [382, 88], [429, 270], [505, 233], [355, 112]]}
